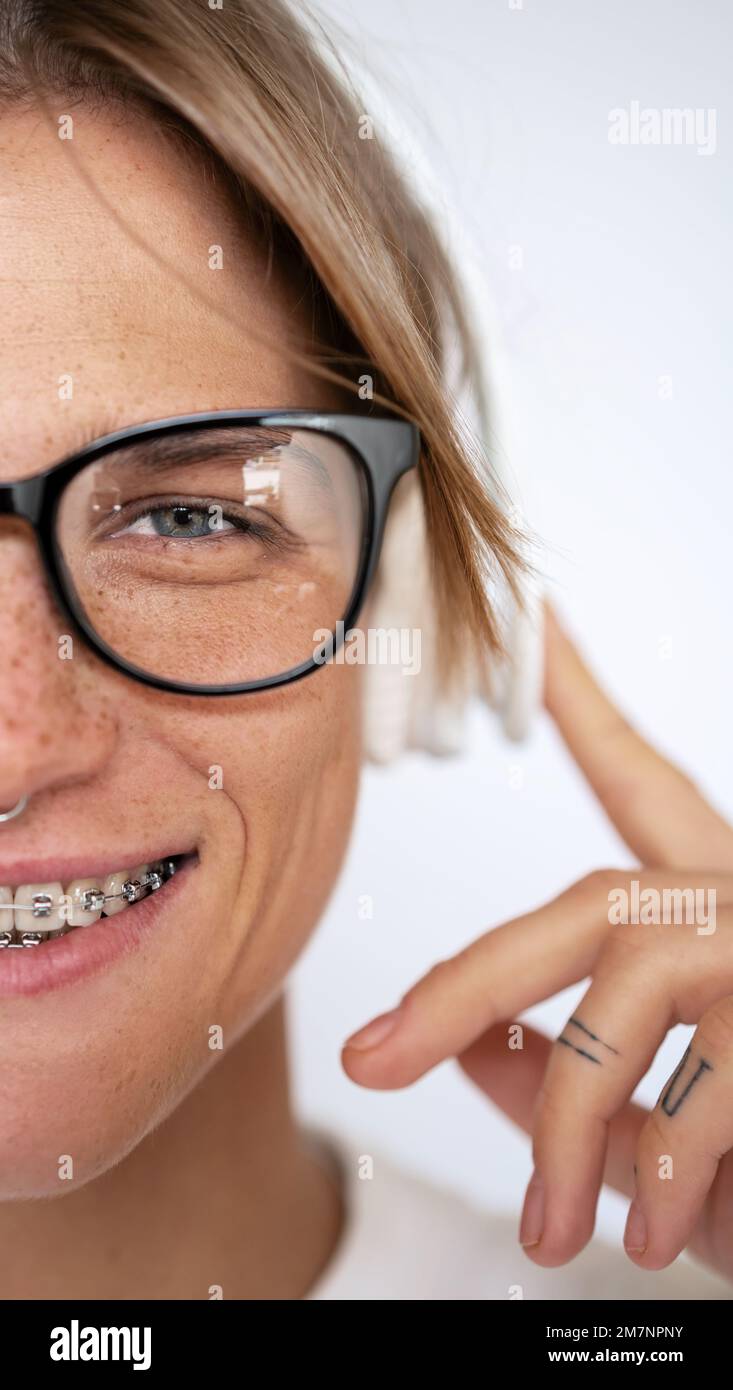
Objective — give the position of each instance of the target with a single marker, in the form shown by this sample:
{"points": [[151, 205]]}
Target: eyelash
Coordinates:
{"points": [[245, 525]]}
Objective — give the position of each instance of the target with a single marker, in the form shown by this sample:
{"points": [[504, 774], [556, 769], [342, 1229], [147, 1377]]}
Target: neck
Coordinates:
{"points": [[224, 1194]]}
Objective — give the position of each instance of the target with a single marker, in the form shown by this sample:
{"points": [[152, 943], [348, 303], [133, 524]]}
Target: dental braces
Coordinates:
{"points": [[42, 905]]}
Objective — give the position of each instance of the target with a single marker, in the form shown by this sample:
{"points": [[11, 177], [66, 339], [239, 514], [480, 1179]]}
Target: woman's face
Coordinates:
{"points": [[119, 773]]}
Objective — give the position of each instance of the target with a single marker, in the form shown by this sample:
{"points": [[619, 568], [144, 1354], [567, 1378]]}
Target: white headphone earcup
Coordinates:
{"points": [[406, 707], [517, 690]]}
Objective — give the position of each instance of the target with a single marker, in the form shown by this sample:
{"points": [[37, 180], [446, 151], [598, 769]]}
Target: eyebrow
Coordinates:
{"points": [[207, 445]]}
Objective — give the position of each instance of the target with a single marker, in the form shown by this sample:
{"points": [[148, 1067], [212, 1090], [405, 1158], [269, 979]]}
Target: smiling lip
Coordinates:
{"points": [[86, 951], [16, 871]]}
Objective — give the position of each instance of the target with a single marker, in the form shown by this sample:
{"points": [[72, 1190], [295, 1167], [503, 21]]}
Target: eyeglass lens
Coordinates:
{"points": [[215, 557]]}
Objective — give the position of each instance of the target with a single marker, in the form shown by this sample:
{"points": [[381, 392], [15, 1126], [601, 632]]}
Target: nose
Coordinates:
{"points": [[56, 726]]}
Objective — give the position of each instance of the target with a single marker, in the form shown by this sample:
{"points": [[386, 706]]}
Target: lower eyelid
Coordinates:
{"points": [[143, 526]]}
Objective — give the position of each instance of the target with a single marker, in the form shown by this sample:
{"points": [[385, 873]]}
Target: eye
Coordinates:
{"points": [[181, 522]]}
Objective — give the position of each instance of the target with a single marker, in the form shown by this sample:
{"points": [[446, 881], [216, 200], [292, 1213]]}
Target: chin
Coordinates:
{"points": [[61, 1128]]}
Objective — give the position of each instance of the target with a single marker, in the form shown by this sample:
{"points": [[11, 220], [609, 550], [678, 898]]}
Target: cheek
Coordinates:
{"points": [[295, 783], [279, 777]]}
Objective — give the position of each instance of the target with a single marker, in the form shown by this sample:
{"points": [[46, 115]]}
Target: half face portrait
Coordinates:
{"points": [[257, 537]]}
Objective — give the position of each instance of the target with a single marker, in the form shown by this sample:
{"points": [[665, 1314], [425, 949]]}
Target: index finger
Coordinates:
{"points": [[514, 966], [497, 976], [661, 815]]}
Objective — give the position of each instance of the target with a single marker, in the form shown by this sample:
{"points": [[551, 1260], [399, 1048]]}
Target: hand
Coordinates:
{"points": [[574, 1094]]}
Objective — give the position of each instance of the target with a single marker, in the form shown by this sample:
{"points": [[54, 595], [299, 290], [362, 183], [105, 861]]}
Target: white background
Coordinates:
{"points": [[626, 279]]}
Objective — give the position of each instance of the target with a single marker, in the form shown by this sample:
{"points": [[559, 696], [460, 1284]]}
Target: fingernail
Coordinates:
{"points": [[533, 1212], [635, 1235], [375, 1032]]}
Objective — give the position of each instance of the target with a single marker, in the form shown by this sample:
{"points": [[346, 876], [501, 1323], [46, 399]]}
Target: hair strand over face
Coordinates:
{"points": [[251, 89]]}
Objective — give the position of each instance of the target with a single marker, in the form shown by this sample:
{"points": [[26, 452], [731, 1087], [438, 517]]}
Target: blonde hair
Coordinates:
{"points": [[251, 87]]}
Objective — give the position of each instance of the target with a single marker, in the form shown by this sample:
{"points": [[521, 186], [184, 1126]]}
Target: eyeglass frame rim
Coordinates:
{"points": [[385, 446]]}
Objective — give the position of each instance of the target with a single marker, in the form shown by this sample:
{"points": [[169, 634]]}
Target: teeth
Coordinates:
{"points": [[29, 915], [78, 916], [49, 922], [113, 884], [136, 878], [6, 913]]}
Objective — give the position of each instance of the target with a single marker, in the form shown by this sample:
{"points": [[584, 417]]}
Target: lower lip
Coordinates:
{"points": [[86, 951]]}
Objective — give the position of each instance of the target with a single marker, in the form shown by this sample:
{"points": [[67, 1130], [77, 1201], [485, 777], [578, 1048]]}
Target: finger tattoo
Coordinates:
{"points": [[582, 1051], [577, 1024], [679, 1086]]}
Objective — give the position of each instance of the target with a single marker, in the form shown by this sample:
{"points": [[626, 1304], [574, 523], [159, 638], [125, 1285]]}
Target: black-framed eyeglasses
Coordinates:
{"points": [[216, 553]]}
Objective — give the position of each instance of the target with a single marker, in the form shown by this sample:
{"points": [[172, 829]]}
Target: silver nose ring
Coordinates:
{"points": [[16, 810]]}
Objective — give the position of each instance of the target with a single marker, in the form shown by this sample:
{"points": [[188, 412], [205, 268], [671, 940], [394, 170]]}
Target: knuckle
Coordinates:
{"points": [[715, 1029], [653, 1140], [644, 942], [560, 1102], [442, 978], [548, 1116], [628, 945], [442, 971], [621, 949], [600, 882]]}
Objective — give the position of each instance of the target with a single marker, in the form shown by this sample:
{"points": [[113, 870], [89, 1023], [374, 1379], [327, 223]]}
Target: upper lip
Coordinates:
{"points": [[18, 871]]}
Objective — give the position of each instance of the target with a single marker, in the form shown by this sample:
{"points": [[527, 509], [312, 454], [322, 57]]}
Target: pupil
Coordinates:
{"points": [[182, 516]]}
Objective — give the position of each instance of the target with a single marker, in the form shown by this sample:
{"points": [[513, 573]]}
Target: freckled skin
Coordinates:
{"points": [[102, 755]]}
